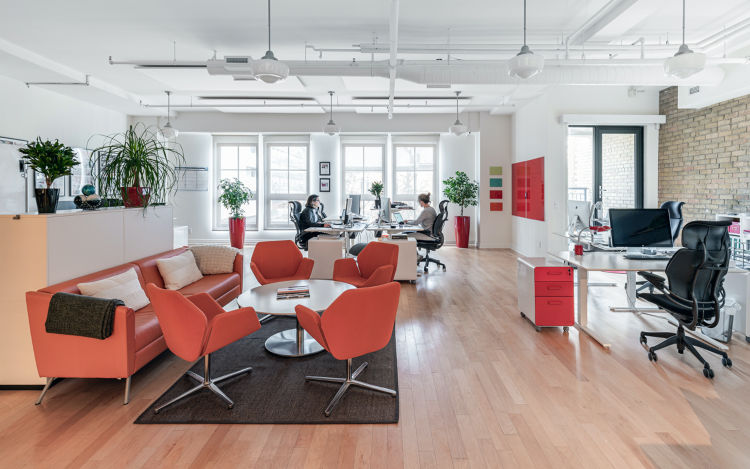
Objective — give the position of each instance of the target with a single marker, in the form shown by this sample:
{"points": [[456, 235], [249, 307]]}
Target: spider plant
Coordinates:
{"points": [[137, 166]]}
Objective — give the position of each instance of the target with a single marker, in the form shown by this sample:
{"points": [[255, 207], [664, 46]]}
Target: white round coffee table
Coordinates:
{"points": [[292, 342]]}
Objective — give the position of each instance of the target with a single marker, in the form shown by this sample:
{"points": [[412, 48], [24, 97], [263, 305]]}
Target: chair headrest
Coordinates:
{"points": [[713, 233], [674, 208]]}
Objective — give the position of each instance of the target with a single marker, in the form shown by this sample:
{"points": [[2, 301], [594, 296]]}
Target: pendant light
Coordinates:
{"points": [[168, 132], [331, 128], [268, 68], [685, 62], [458, 128], [525, 64]]}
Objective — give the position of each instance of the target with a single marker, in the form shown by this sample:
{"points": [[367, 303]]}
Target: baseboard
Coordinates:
{"points": [[21, 387]]}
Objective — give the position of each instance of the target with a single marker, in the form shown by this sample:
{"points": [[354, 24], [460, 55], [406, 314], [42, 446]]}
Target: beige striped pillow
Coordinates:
{"points": [[214, 259], [179, 271], [124, 286]]}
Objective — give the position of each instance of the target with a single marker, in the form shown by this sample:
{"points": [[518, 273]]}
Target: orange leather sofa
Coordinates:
{"points": [[136, 336]]}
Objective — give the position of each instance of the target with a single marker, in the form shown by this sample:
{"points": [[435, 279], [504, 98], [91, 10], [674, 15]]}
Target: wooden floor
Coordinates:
{"points": [[478, 388]]}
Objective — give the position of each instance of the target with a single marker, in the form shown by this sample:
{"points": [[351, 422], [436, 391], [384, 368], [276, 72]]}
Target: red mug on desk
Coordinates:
{"points": [[578, 249]]}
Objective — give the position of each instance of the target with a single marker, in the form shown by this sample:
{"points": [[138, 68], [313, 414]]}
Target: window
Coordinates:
{"points": [[414, 173], [237, 160], [286, 179], [363, 164]]}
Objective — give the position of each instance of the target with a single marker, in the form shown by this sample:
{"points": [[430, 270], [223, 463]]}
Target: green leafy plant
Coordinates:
{"points": [[54, 160], [376, 188], [136, 158], [461, 190], [234, 194]]}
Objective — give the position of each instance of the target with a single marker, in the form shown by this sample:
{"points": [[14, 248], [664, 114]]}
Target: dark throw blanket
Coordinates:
{"points": [[81, 315]]}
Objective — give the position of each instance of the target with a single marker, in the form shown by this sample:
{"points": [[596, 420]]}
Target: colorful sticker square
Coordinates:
{"points": [[496, 170], [496, 207], [496, 182], [496, 194]]}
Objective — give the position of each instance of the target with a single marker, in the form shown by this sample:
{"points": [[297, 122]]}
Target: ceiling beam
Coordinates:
{"points": [[607, 14]]}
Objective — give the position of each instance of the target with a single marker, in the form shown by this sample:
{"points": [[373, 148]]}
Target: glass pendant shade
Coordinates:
{"points": [[526, 64]]}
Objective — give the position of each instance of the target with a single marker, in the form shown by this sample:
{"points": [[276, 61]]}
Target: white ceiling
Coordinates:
{"points": [[65, 40]]}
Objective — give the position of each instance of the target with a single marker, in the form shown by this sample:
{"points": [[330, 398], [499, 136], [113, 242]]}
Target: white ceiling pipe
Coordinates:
{"points": [[449, 107], [598, 21], [393, 62], [727, 34]]}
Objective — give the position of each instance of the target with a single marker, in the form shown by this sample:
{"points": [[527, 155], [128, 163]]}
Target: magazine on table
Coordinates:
{"points": [[295, 291]]}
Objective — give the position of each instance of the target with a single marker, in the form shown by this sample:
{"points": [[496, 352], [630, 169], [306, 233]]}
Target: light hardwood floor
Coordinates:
{"points": [[478, 388]]}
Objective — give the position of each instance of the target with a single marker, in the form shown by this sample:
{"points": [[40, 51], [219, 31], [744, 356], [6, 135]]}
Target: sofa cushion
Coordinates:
{"points": [[215, 285], [147, 327], [214, 259], [125, 287], [179, 271], [149, 270], [71, 286]]}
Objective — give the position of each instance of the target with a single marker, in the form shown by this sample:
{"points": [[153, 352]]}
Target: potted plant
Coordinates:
{"points": [[234, 194], [462, 191], [376, 188], [53, 160], [137, 167]]}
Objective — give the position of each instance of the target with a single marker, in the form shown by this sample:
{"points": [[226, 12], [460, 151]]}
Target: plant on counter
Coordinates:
{"points": [[137, 167], [376, 188], [234, 195], [462, 191], [53, 160]]}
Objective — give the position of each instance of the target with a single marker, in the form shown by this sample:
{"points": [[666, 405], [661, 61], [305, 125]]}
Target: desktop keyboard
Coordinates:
{"points": [[644, 257]]}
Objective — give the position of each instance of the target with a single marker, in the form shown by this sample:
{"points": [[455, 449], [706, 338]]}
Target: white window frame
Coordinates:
{"points": [[229, 142], [366, 192], [269, 197], [435, 172]]}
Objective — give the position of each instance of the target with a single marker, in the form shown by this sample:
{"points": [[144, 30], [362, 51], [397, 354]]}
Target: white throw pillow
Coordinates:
{"points": [[124, 286], [214, 259], [179, 271]]}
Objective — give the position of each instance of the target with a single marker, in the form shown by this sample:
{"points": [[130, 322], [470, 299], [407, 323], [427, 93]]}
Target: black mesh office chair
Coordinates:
{"points": [[694, 294], [675, 216], [437, 238], [294, 210]]}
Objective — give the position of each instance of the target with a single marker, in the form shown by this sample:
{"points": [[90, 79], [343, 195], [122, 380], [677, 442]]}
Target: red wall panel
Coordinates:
{"points": [[527, 192]]}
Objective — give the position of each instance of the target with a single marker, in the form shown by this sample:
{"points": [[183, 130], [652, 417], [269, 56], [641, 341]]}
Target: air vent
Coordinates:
{"points": [[237, 60], [256, 98]]}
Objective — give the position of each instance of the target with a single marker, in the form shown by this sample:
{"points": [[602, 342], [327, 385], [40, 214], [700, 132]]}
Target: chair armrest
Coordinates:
{"points": [[231, 326], [70, 356], [258, 275], [239, 267], [656, 280], [207, 304], [310, 321], [343, 268], [380, 276], [305, 268]]}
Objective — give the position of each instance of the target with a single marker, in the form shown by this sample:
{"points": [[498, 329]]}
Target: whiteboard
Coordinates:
{"points": [[12, 180]]}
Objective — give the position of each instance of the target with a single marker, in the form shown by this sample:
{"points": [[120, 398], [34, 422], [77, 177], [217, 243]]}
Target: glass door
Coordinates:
{"points": [[618, 162]]}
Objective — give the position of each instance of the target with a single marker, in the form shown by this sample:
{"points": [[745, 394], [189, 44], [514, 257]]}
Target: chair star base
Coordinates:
{"points": [[346, 383], [683, 342], [206, 383]]}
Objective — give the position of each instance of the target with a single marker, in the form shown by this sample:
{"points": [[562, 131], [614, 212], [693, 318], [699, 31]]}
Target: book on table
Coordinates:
{"points": [[294, 291]]}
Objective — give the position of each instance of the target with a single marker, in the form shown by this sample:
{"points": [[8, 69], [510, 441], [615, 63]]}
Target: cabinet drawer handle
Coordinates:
{"points": [[554, 302], [554, 287]]}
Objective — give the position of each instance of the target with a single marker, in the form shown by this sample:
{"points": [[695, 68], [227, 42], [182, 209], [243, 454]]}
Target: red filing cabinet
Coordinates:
{"points": [[545, 293]]}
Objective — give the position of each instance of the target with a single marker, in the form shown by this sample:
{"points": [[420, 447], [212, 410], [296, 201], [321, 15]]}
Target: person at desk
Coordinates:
{"points": [[425, 219], [310, 216]]}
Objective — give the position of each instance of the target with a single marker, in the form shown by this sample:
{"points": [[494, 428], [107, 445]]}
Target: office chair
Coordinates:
{"points": [[437, 238], [294, 211], [694, 294], [675, 216]]}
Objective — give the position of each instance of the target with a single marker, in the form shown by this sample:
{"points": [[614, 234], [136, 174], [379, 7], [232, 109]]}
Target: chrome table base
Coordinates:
{"points": [[350, 380], [293, 343]]}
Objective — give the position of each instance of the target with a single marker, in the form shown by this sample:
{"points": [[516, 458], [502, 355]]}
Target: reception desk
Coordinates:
{"points": [[40, 250]]}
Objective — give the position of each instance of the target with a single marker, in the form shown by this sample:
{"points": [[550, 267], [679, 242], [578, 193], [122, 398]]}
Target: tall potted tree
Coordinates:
{"points": [[376, 188], [462, 191], [234, 195], [53, 160], [137, 166]]}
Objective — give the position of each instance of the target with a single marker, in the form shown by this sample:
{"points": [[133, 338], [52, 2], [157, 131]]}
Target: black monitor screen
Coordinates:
{"points": [[635, 227]]}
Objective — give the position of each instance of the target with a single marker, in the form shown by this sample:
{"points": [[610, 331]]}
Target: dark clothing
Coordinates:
{"points": [[81, 315], [310, 217]]}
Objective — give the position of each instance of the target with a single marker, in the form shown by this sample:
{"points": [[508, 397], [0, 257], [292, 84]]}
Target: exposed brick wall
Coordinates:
{"points": [[618, 170], [704, 156]]}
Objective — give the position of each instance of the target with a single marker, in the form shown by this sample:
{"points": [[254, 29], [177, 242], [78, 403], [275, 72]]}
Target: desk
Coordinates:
{"points": [[395, 229], [338, 229], [607, 261]]}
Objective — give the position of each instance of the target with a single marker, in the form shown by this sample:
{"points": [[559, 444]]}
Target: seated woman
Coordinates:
{"points": [[311, 216], [426, 219]]}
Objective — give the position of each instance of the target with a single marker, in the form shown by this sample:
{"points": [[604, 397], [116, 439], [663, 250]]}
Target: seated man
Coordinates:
{"points": [[311, 216]]}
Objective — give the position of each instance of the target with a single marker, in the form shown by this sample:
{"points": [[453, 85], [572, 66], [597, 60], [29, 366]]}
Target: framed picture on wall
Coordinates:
{"points": [[325, 184], [325, 168]]}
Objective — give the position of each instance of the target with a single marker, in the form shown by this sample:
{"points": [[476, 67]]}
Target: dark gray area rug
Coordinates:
{"points": [[276, 391]]}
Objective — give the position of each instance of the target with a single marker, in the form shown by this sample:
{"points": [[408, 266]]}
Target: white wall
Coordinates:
{"points": [[495, 150], [31, 112], [537, 131]]}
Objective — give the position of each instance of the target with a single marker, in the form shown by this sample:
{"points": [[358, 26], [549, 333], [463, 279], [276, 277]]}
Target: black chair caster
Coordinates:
{"points": [[708, 372], [726, 361], [652, 356]]}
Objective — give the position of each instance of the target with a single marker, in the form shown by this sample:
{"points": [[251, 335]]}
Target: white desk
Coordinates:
{"points": [[338, 229], [394, 229], [609, 261]]}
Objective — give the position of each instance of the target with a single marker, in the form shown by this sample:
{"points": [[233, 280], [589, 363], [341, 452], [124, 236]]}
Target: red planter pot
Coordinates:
{"points": [[462, 225], [135, 196], [237, 232]]}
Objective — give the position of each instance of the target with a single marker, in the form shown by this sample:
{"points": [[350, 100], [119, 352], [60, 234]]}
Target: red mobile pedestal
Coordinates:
{"points": [[545, 293]]}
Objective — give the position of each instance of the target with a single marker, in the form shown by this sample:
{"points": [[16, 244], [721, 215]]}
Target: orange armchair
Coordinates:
{"points": [[196, 326], [375, 265], [359, 322], [279, 261]]}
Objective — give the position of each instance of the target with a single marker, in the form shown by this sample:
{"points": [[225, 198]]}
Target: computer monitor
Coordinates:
{"points": [[640, 227], [347, 210], [356, 201], [579, 213], [397, 216], [385, 209]]}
